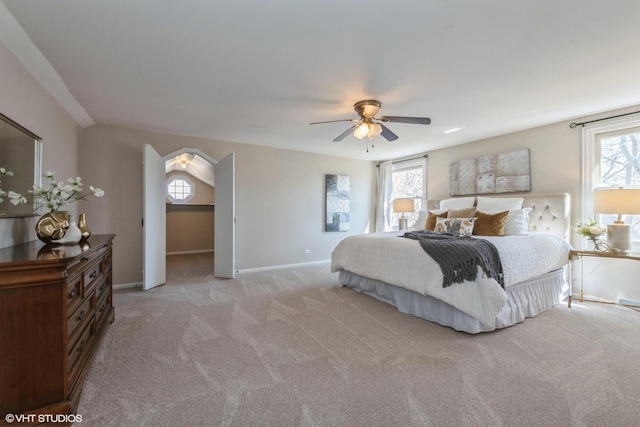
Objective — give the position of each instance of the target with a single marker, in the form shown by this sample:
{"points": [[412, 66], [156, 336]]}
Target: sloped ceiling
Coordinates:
{"points": [[259, 72]]}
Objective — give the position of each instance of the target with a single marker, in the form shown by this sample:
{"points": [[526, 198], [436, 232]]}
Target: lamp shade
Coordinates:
{"points": [[403, 205], [620, 201]]}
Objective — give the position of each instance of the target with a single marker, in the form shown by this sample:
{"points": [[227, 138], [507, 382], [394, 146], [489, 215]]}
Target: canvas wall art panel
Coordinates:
{"points": [[337, 201], [501, 173]]}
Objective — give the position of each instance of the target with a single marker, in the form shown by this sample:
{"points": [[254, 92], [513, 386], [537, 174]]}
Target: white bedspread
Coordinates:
{"points": [[402, 262]]}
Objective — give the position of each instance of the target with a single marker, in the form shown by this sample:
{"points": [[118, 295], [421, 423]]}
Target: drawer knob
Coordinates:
{"points": [[102, 308], [93, 274], [72, 293], [84, 259], [82, 345], [80, 316]]}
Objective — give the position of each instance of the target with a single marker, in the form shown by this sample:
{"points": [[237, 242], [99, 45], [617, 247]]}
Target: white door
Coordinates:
{"points": [[154, 220], [224, 261]]}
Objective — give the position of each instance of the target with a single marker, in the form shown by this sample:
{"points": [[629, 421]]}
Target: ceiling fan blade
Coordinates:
{"points": [[411, 120], [387, 134], [344, 134], [335, 121]]}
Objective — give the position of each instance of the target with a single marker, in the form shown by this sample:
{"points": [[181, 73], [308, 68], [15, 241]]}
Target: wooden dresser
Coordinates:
{"points": [[55, 305]]}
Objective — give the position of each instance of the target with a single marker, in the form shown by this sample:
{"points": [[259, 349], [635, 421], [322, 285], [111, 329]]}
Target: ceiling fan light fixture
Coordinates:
{"points": [[361, 131], [375, 129]]}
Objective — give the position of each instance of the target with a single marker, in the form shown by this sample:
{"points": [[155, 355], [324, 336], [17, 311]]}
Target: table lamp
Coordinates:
{"points": [[620, 201], [402, 206]]}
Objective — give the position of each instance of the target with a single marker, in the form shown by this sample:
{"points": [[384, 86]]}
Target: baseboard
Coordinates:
{"points": [[128, 285], [280, 267], [630, 302], [203, 251]]}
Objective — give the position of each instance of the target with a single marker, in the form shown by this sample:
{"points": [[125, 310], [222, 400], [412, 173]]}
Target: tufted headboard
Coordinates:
{"points": [[550, 213]]}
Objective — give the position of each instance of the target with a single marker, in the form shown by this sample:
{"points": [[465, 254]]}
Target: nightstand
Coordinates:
{"points": [[573, 254]]}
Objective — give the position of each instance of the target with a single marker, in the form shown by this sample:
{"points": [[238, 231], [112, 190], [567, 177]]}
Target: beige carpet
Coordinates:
{"points": [[290, 348]]}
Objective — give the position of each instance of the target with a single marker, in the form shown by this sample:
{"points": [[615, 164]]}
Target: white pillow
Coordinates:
{"points": [[517, 221], [499, 204], [455, 226], [457, 203], [420, 222]]}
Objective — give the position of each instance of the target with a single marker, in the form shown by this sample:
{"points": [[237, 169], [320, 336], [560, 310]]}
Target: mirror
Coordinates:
{"points": [[20, 153]]}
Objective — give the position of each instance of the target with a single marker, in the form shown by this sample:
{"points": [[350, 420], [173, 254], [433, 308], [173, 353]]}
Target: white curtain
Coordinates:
{"points": [[383, 202]]}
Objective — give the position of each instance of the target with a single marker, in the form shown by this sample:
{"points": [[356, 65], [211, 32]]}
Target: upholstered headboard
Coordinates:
{"points": [[550, 213]]}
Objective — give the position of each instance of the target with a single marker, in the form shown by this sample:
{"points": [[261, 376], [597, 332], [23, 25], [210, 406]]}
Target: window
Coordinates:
{"points": [[408, 183], [611, 159], [180, 189], [401, 179], [619, 166]]}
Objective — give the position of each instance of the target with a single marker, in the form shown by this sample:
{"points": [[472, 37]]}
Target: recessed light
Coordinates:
{"points": [[452, 130]]}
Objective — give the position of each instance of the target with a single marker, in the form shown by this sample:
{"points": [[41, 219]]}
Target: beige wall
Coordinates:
{"points": [[25, 101], [279, 196]]}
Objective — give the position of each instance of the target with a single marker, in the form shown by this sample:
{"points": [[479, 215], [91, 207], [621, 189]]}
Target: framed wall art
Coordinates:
{"points": [[336, 203]]}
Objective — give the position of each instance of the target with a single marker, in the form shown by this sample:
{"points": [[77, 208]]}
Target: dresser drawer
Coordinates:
{"points": [[80, 351], [92, 275], [104, 286], [102, 308], [74, 293], [86, 259], [80, 316]]}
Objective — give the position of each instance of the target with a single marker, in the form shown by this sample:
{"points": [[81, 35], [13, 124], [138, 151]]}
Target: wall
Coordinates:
{"points": [[555, 155], [279, 196], [25, 101], [190, 227]]}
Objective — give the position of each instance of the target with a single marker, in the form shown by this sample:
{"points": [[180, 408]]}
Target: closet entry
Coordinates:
{"points": [[189, 208]]}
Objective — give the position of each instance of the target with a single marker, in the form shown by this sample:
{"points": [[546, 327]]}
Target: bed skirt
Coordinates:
{"points": [[525, 299]]}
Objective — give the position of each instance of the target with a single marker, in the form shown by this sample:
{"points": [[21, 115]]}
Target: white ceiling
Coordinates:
{"points": [[260, 71]]}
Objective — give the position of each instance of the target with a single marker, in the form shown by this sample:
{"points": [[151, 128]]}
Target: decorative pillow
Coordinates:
{"points": [[517, 222], [490, 224], [457, 203], [430, 224], [420, 222], [455, 226], [461, 213], [499, 204]]}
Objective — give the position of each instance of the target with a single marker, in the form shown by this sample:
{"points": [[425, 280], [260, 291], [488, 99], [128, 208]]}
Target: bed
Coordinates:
{"points": [[398, 271]]}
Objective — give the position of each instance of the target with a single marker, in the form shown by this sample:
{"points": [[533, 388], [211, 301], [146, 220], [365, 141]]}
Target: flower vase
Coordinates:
{"points": [[53, 228], [82, 225]]}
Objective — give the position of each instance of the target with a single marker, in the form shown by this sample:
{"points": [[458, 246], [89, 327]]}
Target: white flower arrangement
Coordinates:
{"points": [[589, 228], [53, 194]]}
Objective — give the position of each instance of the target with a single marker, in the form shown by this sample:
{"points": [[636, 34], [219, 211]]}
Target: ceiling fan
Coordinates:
{"points": [[369, 125]]}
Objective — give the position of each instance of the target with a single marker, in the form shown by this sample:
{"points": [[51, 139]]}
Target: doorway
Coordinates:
{"points": [[154, 222]]}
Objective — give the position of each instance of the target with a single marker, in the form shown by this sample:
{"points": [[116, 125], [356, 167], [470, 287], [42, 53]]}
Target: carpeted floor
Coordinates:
{"points": [[290, 348]]}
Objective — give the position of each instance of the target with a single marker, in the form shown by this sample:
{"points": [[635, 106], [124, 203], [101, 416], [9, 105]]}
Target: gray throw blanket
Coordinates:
{"points": [[459, 257]]}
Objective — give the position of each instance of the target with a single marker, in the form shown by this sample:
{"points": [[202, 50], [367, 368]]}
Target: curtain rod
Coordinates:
{"points": [[404, 159], [575, 125]]}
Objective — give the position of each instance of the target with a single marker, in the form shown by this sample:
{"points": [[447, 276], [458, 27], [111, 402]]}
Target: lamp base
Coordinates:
{"points": [[402, 223], [619, 237]]}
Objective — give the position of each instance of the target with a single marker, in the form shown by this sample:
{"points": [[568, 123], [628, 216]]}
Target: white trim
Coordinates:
{"points": [[280, 267], [127, 285]]}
